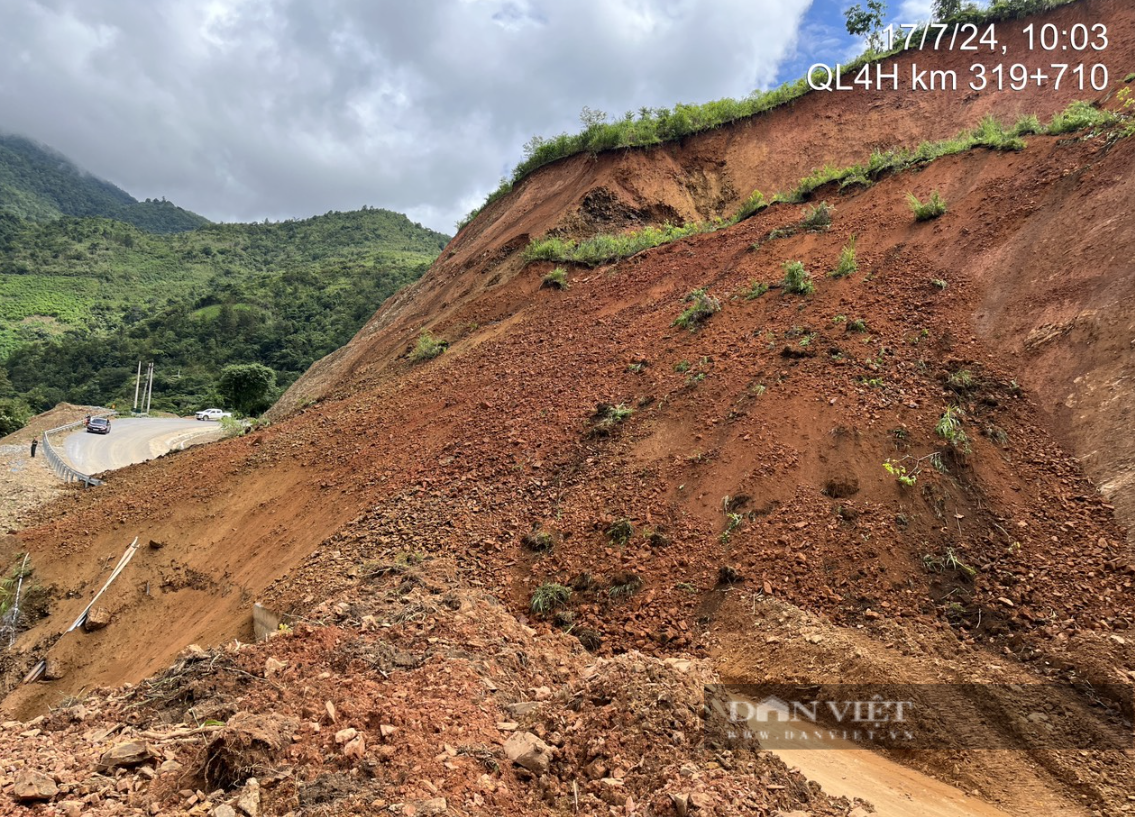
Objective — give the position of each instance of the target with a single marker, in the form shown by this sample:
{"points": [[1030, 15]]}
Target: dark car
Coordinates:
{"points": [[98, 425]]}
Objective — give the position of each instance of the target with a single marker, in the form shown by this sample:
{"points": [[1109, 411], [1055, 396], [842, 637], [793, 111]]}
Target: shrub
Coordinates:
{"points": [[949, 428], [797, 280], [607, 417], [756, 290], [549, 597], [537, 540], [1078, 116], [847, 262], [931, 209], [556, 279], [1027, 125], [701, 306], [621, 532], [818, 218], [899, 472], [751, 206], [428, 347], [624, 584]]}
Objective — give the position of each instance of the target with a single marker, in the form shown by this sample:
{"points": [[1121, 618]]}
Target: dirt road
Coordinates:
{"points": [[132, 440]]}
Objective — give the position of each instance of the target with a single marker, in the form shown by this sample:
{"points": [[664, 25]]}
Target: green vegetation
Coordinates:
{"points": [[39, 184], [621, 532], [1080, 116], [817, 219], [990, 133], [83, 300], [605, 247], [925, 211], [899, 472], [949, 428], [701, 306], [756, 290], [751, 206], [847, 262], [797, 280], [428, 347], [549, 597], [556, 279], [607, 418], [247, 387]]}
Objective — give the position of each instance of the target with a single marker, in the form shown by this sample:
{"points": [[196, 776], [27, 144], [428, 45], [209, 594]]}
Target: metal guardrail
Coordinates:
{"points": [[59, 465]]}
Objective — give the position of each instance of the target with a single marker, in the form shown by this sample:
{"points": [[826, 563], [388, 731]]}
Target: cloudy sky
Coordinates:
{"points": [[252, 109]]}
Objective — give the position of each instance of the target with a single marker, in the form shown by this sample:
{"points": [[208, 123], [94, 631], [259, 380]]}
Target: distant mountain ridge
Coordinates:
{"points": [[38, 183]]}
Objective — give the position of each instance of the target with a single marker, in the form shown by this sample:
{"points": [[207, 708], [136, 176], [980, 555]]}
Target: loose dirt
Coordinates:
{"points": [[750, 472]]}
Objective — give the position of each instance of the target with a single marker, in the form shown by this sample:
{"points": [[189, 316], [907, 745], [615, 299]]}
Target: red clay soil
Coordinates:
{"points": [[753, 460], [404, 705]]}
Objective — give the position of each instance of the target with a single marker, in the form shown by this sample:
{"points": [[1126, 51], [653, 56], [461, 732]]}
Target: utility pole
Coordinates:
{"points": [[150, 390], [137, 385]]}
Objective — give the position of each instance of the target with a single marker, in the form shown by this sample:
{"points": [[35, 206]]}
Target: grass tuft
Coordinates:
{"points": [[428, 347], [797, 280], [847, 263], [702, 305], [934, 207], [549, 597]]}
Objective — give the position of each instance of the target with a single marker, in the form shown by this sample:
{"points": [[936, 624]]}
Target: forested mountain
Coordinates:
{"points": [[83, 300], [40, 184]]}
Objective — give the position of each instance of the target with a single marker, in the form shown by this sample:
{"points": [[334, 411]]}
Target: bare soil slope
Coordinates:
{"points": [[752, 464]]}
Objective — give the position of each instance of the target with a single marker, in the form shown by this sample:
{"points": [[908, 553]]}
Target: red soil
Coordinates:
{"points": [[461, 456]]}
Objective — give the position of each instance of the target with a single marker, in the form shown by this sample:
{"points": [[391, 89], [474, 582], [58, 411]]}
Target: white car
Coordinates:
{"points": [[213, 414]]}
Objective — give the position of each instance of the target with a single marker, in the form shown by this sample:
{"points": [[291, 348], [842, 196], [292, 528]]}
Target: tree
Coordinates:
{"points": [[247, 387], [14, 415], [945, 9], [867, 22]]}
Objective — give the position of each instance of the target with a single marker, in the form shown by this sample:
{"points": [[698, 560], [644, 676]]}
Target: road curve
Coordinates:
{"points": [[132, 440]]}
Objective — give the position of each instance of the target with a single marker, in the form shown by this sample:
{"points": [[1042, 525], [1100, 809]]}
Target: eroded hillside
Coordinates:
{"points": [[687, 487]]}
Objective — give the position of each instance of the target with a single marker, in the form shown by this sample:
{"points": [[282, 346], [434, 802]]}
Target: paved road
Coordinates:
{"points": [[132, 440]]}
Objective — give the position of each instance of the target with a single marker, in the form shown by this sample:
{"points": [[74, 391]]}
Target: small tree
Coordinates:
{"points": [[867, 22], [247, 387], [945, 9]]}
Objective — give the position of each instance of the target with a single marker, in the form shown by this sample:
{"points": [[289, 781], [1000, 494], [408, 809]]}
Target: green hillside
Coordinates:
{"points": [[39, 184], [82, 300]]}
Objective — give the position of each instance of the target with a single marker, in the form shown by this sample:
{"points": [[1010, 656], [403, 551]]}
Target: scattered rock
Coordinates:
{"points": [[273, 666], [224, 810], [437, 805], [681, 804], [344, 735], [521, 709], [528, 751], [131, 753], [52, 669], [356, 748], [97, 619], [700, 800], [248, 803], [32, 787], [612, 791]]}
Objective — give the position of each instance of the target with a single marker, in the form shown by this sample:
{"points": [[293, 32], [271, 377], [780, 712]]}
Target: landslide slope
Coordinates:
{"points": [[751, 466]]}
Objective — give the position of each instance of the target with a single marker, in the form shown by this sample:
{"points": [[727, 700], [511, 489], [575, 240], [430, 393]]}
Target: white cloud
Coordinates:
{"points": [[245, 109]]}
